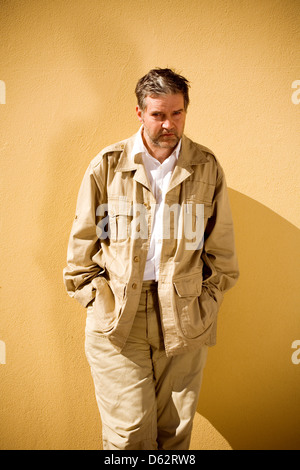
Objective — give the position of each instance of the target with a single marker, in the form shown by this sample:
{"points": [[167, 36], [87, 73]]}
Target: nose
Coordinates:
{"points": [[167, 124]]}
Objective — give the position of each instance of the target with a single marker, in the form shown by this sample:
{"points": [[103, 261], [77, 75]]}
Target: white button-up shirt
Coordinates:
{"points": [[159, 175]]}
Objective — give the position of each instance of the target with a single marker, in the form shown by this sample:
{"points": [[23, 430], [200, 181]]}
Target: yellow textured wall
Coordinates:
{"points": [[68, 72]]}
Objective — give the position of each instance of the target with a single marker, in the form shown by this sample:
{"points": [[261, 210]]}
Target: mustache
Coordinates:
{"points": [[171, 131]]}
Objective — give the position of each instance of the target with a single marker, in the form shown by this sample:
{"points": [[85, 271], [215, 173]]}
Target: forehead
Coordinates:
{"points": [[169, 102]]}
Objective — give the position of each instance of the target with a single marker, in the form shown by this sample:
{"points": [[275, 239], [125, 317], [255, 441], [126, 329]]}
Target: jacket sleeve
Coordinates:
{"points": [[84, 246], [221, 270]]}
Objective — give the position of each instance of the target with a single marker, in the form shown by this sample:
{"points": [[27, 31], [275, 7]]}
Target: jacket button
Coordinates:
{"points": [[134, 285], [136, 259]]}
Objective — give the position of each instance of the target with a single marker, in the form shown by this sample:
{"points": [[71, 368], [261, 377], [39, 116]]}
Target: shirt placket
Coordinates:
{"points": [[159, 217]]}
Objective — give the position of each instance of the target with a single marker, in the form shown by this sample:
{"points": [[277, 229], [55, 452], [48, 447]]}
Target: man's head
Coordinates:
{"points": [[159, 82], [162, 103]]}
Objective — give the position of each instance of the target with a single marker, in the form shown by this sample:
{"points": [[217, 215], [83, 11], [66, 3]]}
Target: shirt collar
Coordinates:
{"points": [[139, 146]]}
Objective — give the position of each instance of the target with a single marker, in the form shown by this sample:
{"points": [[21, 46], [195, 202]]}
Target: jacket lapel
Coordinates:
{"points": [[140, 175], [190, 155], [126, 163]]}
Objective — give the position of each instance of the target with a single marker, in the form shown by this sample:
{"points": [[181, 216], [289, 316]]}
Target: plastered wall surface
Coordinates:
{"points": [[67, 78]]}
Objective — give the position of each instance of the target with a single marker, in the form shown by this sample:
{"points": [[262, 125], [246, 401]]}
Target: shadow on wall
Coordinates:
{"points": [[251, 387]]}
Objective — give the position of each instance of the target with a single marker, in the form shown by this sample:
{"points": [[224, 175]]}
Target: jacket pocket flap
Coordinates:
{"points": [[119, 207], [188, 287], [207, 207], [200, 190]]}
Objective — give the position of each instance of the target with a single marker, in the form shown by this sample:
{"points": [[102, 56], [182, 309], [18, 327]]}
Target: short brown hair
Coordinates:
{"points": [[161, 82]]}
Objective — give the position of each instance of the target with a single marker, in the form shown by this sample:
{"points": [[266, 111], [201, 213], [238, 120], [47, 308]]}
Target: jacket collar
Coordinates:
{"points": [[190, 154], [126, 163]]}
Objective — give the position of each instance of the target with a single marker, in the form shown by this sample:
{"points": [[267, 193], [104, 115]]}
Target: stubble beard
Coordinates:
{"points": [[161, 142]]}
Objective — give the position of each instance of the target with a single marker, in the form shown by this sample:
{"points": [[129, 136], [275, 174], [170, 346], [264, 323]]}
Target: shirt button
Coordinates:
{"points": [[134, 285], [136, 259]]}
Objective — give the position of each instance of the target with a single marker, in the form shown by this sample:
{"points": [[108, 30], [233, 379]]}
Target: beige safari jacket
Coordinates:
{"points": [[108, 270]]}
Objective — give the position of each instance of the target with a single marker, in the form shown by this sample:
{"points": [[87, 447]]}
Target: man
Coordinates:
{"points": [[150, 255]]}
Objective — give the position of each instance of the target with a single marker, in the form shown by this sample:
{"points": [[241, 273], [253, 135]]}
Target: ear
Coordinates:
{"points": [[139, 113]]}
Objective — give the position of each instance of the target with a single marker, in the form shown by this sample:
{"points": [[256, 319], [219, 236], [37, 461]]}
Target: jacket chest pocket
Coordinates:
{"points": [[120, 213], [199, 192], [196, 210]]}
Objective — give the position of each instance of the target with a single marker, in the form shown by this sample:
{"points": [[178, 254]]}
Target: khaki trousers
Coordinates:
{"points": [[146, 400]]}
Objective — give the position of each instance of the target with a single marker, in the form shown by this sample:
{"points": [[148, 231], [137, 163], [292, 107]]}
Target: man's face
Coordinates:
{"points": [[163, 120]]}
